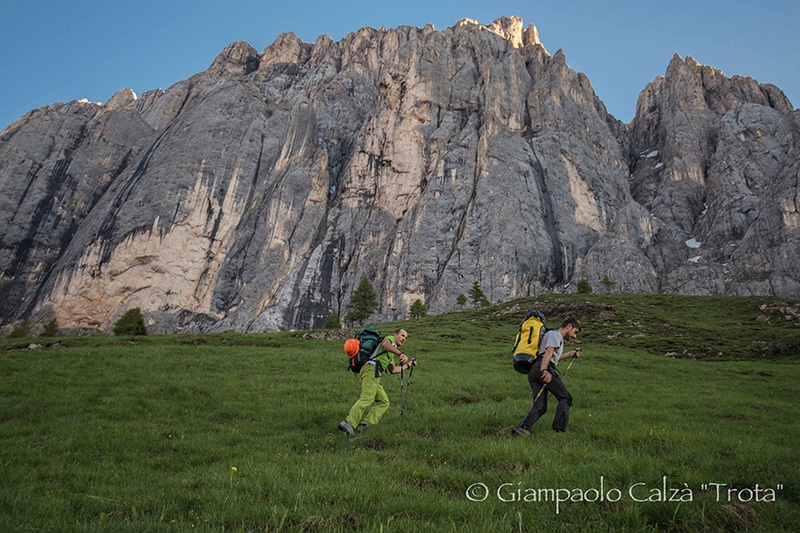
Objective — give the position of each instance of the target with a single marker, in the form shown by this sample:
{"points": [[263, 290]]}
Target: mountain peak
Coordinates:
{"points": [[237, 59], [511, 28]]}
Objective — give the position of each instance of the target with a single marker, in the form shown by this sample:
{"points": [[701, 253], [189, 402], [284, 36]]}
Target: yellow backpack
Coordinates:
{"points": [[526, 346]]}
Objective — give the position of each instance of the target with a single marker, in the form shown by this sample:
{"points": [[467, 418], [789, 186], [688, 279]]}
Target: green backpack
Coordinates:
{"points": [[370, 340], [526, 347]]}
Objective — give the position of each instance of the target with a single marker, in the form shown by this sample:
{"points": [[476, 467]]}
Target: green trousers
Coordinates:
{"points": [[373, 403]]}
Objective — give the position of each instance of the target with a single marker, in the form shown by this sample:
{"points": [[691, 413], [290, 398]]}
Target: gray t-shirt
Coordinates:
{"points": [[556, 340]]}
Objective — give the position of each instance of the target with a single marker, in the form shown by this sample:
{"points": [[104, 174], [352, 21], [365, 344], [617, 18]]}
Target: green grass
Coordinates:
{"points": [[120, 434]]}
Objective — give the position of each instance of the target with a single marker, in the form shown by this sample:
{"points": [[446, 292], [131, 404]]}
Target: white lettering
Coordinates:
{"points": [[501, 495], [632, 495]]}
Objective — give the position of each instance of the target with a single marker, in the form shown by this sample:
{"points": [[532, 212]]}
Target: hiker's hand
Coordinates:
{"points": [[576, 352], [413, 361], [546, 376], [403, 358]]}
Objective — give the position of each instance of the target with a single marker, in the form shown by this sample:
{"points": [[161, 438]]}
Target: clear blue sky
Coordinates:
{"points": [[56, 51]]}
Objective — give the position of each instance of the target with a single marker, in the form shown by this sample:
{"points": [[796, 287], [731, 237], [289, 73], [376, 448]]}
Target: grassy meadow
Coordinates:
{"points": [[684, 419]]}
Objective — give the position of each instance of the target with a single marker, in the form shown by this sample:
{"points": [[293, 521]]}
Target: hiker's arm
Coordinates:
{"points": [[391, 348], [396, 369], [548, 354]]}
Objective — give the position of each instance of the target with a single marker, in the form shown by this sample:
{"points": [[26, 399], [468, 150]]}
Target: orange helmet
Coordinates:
{"points": [[351, 347]]}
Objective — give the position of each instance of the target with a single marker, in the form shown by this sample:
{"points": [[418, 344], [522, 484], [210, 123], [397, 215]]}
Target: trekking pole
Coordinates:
{"points": [[404, 390], [540, 392], [572, 360]]}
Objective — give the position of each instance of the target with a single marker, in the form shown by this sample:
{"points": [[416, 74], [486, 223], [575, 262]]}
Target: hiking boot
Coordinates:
{"points": [[520, 432], [347, 428], [362, 428]]}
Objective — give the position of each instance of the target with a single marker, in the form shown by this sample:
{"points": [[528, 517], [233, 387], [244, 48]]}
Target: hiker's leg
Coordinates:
{"points": [[539, 405], [564, 398], [369, 386], [380, 406], [538, 408]]}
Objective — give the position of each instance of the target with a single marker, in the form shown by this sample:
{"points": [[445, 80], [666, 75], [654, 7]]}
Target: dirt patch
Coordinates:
{"points": [[466, 399]]}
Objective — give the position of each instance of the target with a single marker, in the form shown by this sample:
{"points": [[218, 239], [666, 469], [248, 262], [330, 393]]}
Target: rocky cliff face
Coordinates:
{"points": [[255, 195], [715, 164]]}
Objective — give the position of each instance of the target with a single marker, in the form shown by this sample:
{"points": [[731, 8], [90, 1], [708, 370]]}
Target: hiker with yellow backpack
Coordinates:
{"points": [[538, 351]]}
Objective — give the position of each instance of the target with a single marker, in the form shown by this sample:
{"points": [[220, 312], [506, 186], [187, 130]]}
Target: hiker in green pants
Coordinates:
{"points": [[373, 403]]}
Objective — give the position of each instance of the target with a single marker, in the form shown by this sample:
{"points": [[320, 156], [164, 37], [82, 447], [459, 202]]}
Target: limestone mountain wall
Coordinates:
{"points": [[255, 195]]}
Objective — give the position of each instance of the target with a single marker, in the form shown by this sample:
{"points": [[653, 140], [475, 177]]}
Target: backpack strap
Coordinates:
{"points": [[374, 355], [377, 354], [519, 337]]}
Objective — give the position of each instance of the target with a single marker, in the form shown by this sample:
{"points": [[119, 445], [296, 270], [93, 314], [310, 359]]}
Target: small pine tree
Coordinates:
{"points": [[50, 329], [22, 330], [333, 321], [131, 323], [363, 302], [461, 300], [477, 296], [584, 287], [608, 283], [418, 309]]}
